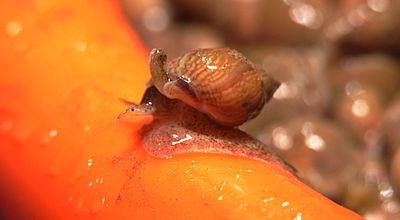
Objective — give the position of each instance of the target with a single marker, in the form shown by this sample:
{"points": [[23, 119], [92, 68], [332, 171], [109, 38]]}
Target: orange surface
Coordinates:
{"points": [[64, 66]]}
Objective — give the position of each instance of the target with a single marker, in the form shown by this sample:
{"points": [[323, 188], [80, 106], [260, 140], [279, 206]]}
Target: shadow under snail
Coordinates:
{"points": [[199, 99]]}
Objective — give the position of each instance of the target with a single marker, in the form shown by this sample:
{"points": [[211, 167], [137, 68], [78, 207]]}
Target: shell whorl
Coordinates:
{"points": [[219, 82]]}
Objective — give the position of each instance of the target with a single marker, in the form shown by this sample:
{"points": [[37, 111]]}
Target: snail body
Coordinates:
{"points": [[198, 99], [221, 83]]}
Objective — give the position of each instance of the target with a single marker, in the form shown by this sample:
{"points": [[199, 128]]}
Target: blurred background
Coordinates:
{"points": [[336, 115]]}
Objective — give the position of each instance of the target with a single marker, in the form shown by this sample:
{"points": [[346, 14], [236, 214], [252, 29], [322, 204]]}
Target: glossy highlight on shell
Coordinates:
{"points": [[221, 83]]}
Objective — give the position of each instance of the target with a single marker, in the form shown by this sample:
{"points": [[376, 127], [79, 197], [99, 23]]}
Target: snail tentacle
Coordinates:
{"points": [[145, 108]]}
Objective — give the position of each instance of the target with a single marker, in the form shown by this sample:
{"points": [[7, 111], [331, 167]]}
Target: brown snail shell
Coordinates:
{"points": [[221, 83]]}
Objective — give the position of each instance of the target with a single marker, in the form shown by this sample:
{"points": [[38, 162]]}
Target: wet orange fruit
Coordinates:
{"points": [[64, 66]]}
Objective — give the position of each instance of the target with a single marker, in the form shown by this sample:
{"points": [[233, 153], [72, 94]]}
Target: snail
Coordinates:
{"points": [[190, 117], [221, 83]]}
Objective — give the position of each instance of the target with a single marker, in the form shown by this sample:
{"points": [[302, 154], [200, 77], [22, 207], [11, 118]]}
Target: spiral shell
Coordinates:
{"points": [[221, 83]]}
